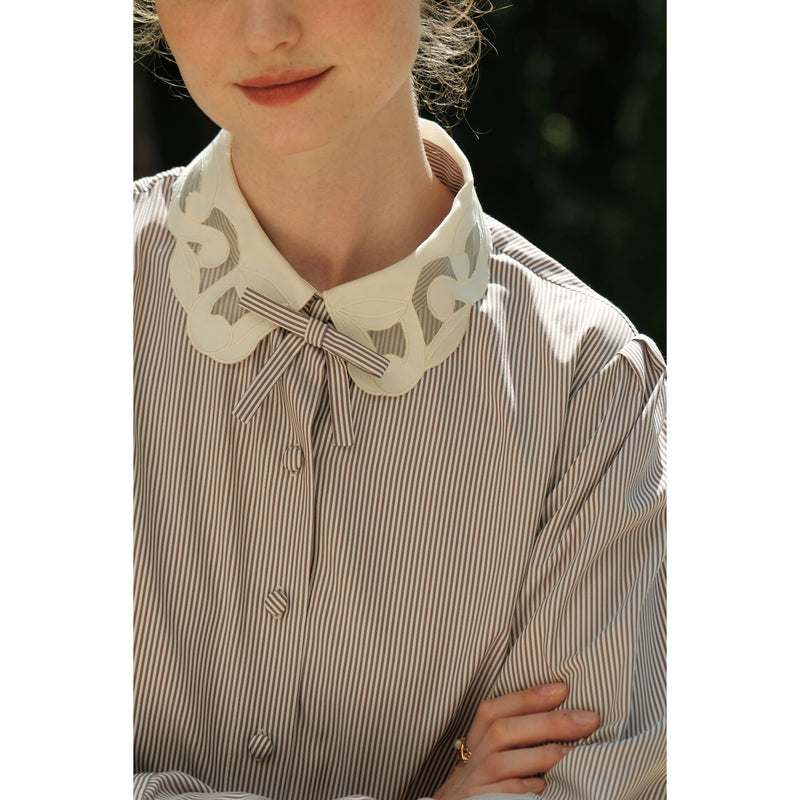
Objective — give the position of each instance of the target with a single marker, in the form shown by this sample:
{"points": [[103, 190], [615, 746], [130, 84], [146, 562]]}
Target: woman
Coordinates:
{"points": [[395, 466]]}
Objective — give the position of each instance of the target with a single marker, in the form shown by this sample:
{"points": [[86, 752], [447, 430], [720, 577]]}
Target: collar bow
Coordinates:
{"points": [[308, 331]]}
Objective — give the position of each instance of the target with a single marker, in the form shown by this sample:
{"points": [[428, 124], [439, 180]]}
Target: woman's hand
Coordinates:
{"points": [[503, 740]]}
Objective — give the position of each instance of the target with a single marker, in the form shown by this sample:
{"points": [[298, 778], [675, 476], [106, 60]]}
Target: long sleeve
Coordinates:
{"points": [[592, 611], [179, 786], [174, 784]]}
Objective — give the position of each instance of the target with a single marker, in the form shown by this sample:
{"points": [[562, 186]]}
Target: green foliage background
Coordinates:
{"points": [[566, 134]]}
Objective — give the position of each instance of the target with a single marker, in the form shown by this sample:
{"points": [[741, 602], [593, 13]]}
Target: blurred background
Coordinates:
{"points": [[566, 134]]}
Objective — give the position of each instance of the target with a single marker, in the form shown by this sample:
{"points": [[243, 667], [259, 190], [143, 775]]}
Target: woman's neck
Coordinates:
{"points": [[349, 208]]}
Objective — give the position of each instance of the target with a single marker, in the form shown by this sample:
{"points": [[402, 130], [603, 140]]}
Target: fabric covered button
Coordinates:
{"points": [[260, 745], [276, 602], [293, 458]]}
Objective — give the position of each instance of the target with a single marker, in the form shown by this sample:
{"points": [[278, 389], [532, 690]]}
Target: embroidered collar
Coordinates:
{"points": [[414, 312]]}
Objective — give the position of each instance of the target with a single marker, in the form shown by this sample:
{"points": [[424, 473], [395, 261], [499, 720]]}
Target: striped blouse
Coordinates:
{"points": [[335, 566]]}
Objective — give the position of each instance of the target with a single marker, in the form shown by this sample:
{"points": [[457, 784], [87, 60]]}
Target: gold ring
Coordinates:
{"points": [[462, 751]]}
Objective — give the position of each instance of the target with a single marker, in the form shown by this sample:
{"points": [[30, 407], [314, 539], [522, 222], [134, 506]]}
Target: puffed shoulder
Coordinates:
{"points": [[574, 327]]}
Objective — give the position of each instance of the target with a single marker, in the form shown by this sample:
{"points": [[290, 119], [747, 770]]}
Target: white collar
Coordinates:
{"points": [[414, 312]]}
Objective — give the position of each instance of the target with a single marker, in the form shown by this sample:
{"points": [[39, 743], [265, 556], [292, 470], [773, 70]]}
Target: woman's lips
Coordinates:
{"points": [[282, 88]]}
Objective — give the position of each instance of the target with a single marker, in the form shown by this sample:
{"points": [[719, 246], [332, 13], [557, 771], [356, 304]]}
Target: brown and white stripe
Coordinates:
{"points": [[312, 329], [315, 621]]}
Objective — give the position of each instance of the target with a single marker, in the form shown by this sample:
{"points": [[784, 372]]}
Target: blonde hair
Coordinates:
{"points": [[450, 47], [451, 44]]}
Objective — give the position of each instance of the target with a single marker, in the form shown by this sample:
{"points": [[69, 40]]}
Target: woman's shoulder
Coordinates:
{"points": [[514, 254], [578, 325], [151, 199], [152, 194], [161, 180]]}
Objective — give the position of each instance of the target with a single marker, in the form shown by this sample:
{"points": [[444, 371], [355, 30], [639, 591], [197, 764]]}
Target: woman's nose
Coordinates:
{"points": [[269, 25]]}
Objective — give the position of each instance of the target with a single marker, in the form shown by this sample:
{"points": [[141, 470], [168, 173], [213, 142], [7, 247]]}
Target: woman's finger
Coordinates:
{"points": [[512, 742], [531, 729], [522, 763], [529, 701]]}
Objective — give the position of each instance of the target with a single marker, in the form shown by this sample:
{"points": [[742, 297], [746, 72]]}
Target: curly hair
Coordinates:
{"points": [[450, 47], [451, 44]]}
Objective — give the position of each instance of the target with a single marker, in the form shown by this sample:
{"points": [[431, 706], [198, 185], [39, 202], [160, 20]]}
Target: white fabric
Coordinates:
{"points": [[207, 192]]}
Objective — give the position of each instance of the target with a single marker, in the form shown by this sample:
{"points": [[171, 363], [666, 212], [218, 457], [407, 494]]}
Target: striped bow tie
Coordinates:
{"points": [[338, 348]]}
